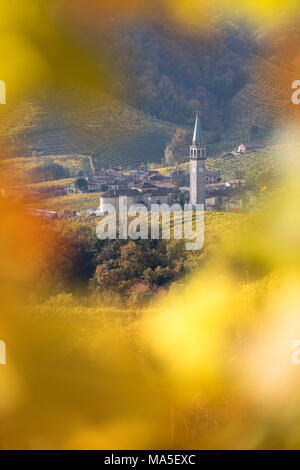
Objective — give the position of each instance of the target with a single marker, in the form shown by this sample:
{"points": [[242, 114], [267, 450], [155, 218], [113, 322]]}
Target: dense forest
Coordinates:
{"points": [[171, 74]]}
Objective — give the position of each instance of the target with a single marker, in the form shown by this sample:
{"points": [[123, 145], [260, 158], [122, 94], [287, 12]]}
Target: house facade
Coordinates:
{"points": [[144, 193], [250, 147]]}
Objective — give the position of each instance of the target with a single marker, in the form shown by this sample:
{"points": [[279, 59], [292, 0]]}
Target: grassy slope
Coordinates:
{"points": [[216, 223], [73, 202], [17, 170], [48, 184]]}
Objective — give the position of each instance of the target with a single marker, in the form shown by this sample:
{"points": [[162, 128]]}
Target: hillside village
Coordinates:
{"points": [[143, 184]]}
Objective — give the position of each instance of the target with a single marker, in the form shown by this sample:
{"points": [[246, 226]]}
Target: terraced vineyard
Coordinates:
{"points": [[252, 165], [114, 133], [117, 134], [265, 102]]}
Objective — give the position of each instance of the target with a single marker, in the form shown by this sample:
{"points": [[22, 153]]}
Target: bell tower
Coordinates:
{"points": [[197, 166]]}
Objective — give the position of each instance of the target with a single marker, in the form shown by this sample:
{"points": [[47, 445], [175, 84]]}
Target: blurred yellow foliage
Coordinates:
{"points": [[206, 366]]}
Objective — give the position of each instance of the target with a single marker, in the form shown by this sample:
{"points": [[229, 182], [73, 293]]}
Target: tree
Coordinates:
{"points": [[141, 292], [48, 171], [239, 174], [169, 156], [180, 197], [178, 149], [69, 261], [103, 187], [254, 132], [120, 273], [81, 184]]}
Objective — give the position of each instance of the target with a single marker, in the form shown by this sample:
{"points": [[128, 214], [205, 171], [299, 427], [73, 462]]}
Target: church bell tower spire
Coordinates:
{"points": [[197, 165]]}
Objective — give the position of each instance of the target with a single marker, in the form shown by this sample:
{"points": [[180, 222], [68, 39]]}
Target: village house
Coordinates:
{"points": [[142, 187], [112, 198], [161, 196], [93, 184], [117, 184], [72, 189], [42, 213], [250, 147], [153, 194], [212, 177], [112, 172], [167, 183], [237, 183], [181, 178], [226, 196], [147, 175], [157, 178], [141, 193]]}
